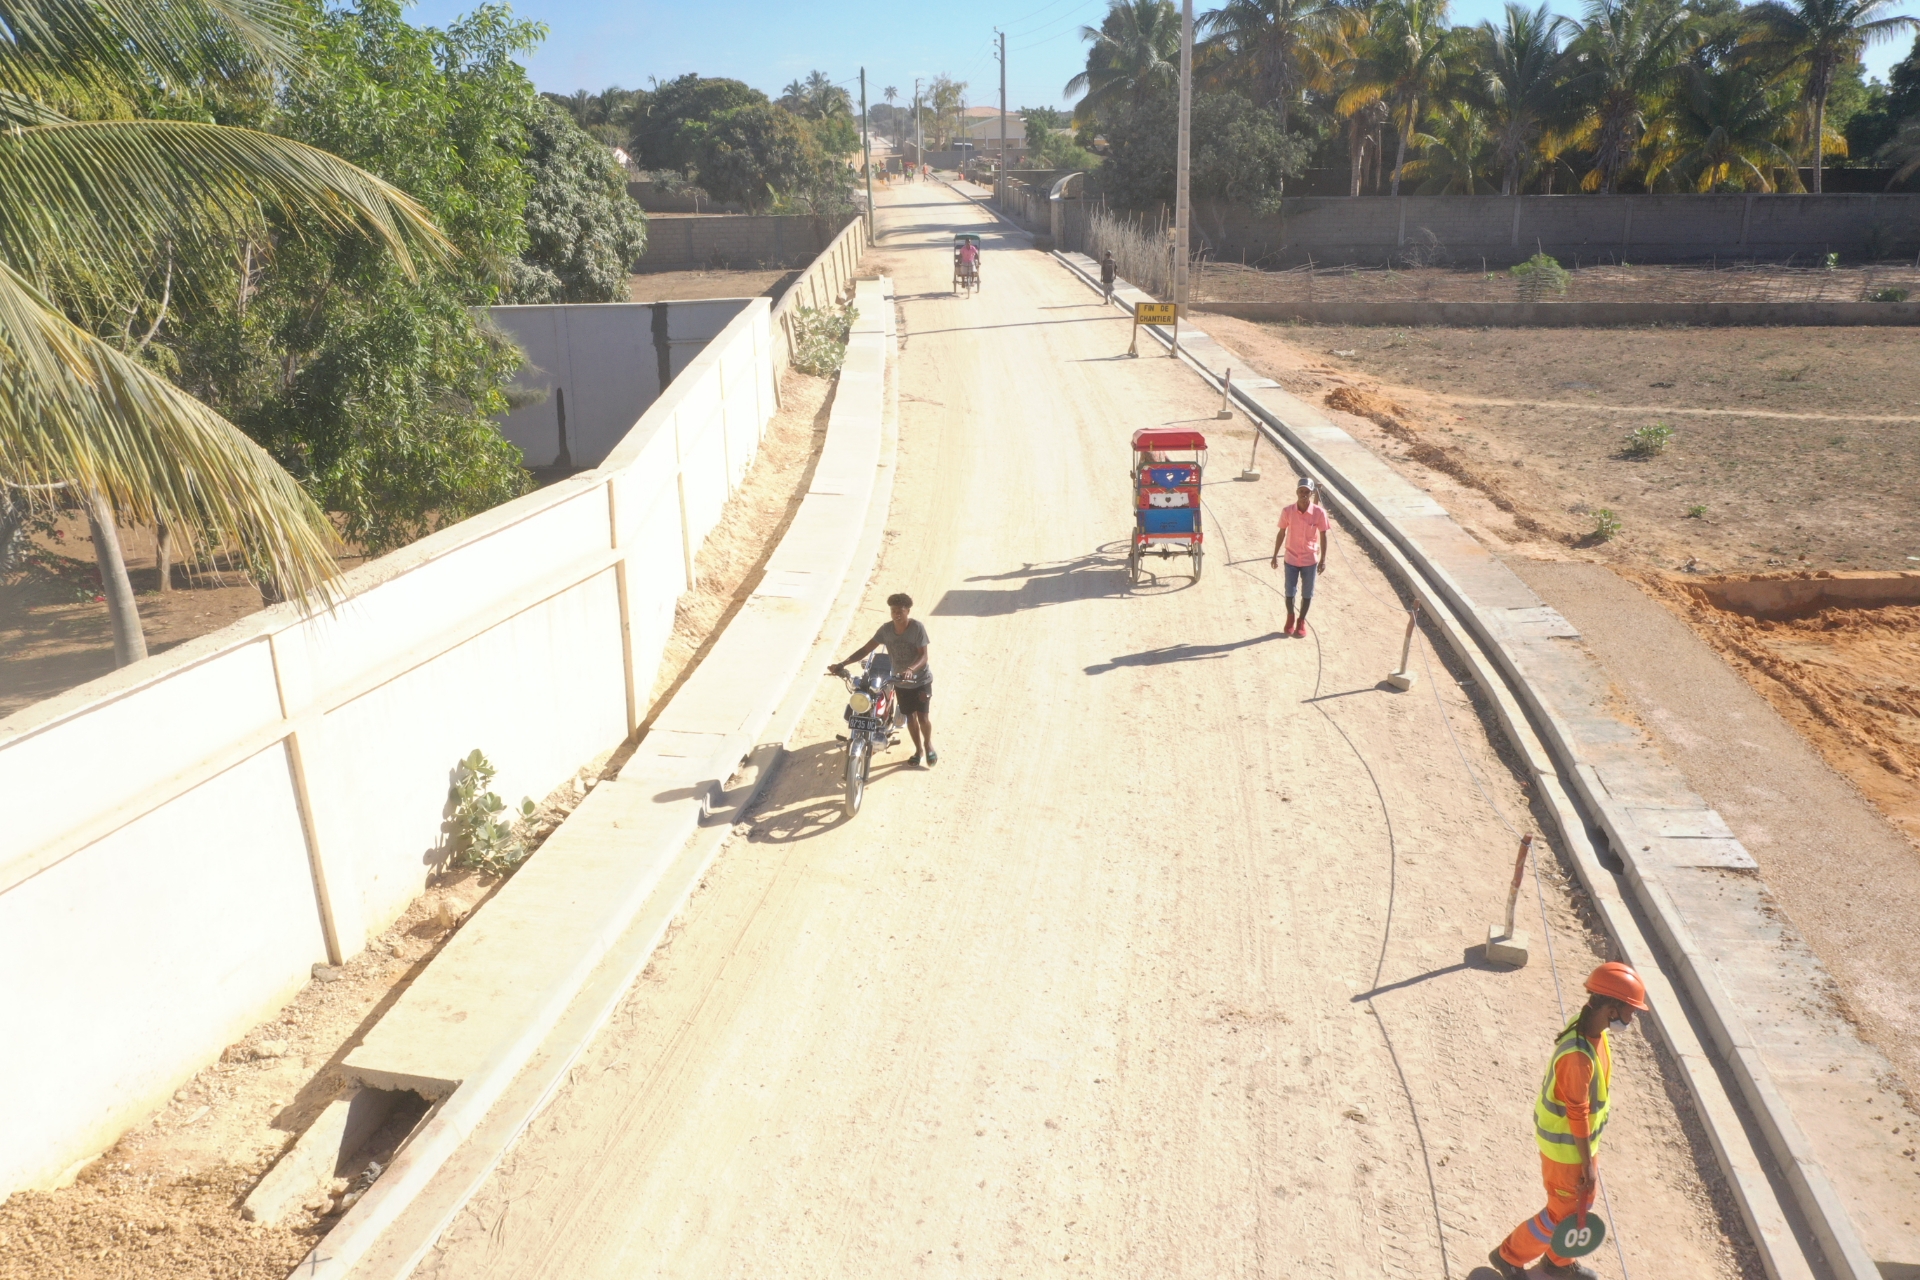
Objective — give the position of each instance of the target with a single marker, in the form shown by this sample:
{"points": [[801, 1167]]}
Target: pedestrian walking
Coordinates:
{"points": [[1109, 269], [905, 638], [1569, 1116], [1304, 533]]}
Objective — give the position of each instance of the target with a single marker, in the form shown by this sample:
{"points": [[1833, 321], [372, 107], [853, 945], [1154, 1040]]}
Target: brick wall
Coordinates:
{"points": [[734, 240], [1463, 229]]}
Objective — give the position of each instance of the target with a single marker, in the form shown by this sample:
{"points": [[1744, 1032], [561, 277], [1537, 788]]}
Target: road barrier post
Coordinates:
{"points": [[1505, 945], [1226, 400], [1403, 678]]}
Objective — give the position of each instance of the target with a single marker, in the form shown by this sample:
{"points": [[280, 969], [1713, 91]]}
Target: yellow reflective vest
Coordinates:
{"points": [[1550, 1128]]}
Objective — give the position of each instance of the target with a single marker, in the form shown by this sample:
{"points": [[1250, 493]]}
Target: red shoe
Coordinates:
{"points": [[1300, 629]]}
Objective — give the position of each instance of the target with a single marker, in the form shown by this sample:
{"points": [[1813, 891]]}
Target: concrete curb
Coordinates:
{"points": [[1570, 315], [359, 1237], [1816, 1204]]}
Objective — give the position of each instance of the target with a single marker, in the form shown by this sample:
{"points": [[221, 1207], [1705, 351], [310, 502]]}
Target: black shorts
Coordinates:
{"points": [[914, 702]]}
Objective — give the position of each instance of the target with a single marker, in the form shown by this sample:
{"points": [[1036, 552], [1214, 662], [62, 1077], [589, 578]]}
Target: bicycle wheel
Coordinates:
{"points": [[856, 776]]}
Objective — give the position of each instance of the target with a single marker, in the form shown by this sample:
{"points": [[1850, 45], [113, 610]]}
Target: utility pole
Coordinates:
{"points": [[866, 148], [1000, 197], [1181, 210], [919, 137]]}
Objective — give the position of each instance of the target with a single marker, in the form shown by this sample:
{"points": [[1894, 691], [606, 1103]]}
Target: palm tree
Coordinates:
{"points": [[1522, 81], [1450, 162], [1823, 36], [1403, 63], [107, 199], [1283, 47], [1903, 152], [1628, 52], [1135, 49], [1722, 131]]}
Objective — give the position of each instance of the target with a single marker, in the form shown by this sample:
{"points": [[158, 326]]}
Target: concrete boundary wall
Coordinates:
{"points": [[826, 282], [736, 240], [220, 817], [1572, 315]]}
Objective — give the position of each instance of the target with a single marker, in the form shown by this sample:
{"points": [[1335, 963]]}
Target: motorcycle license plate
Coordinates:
{"points": [[866, 724]]}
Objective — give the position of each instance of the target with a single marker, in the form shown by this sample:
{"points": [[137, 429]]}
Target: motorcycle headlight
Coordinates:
{"points": [[860, 703]]}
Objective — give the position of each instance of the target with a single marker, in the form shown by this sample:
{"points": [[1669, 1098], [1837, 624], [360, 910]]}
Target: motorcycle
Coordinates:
{"points": [[873, 724]]}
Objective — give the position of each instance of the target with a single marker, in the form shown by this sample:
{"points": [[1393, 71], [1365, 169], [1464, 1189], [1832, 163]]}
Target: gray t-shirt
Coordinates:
{"points": [[904, 647]]}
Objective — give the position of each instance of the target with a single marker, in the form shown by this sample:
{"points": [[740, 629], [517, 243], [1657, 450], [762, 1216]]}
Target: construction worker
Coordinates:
{"points": [[1569, 1117]]}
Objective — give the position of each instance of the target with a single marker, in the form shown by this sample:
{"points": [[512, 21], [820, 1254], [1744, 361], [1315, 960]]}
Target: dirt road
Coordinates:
{"points": [[1169, 968]]}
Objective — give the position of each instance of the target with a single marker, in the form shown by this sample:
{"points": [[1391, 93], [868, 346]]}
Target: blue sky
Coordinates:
{"points": [[596, 43]]}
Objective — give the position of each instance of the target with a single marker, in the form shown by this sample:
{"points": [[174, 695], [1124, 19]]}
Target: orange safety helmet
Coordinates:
{"points": [[1619, 982]]}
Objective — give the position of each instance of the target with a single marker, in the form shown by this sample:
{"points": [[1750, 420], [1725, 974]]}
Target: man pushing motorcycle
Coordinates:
{"points": [[905, 638]]}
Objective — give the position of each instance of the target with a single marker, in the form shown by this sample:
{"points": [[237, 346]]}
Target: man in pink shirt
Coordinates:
{"points": [[1304, 532]]}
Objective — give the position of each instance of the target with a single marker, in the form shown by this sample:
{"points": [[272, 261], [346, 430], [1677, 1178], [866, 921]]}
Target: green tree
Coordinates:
{"points": [[1520, 73], [608, 115], [1722, 130], [669, 129], [378, 390], [583, 232], [1240, 153], [1277, 49], [1402, 64], [1452, 155], [1134, 51], [1823, 36], [1628, 54], [756, 154], [92, 205]]}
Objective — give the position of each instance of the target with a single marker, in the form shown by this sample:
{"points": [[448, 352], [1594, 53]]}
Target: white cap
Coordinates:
{"points": [[1304, 482]]}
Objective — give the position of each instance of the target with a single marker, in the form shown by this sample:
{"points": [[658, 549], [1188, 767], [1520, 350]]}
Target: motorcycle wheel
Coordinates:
{"points": [[1133, 567], [1196, 564], [856, 776]]}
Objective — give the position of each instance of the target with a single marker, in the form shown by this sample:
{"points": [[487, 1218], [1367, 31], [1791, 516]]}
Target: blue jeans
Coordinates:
{"points": [[1301, 576]]}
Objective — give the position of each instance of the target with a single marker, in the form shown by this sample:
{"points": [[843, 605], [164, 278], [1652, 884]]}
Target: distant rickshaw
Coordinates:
{"points": [[966, 265]]}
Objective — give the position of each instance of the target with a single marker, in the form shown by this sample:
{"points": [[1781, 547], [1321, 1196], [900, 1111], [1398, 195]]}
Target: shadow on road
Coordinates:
{"points": [[1055, 582], [1179, 653], [808, 796], [1474, 958]]}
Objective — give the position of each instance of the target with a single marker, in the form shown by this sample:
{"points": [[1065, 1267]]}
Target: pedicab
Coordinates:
{"points": [[966, 275], [1168, 465]]}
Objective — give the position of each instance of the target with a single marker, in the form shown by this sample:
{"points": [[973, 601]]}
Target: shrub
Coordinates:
{"points": [[486, 834], [1605, 524], [1887, 295], [1698, 511], [1645, 442], [1539, 275], [820, 338]]}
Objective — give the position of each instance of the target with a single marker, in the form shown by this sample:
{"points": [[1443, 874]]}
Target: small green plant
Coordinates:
{"points": [[1833, 262], [1646, 442], [1698, 511], [1887, 295], [1539, 275], [820, 338], [487, 835], [1605, 524]]}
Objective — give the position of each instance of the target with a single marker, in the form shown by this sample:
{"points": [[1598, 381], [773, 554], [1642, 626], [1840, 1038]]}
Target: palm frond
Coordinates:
{"points": [[74, 410], [118, 42], [108, 191]]}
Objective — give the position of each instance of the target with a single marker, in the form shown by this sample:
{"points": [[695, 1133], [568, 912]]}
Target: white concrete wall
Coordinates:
{"points": [[604, 358], [187, 836]]}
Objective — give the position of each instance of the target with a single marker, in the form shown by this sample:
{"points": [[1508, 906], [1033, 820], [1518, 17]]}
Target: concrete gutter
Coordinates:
{"points": [[1497, 625], [1572, 315], [492, 1026]]}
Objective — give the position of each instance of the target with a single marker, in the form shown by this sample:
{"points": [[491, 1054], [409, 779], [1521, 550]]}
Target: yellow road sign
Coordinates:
{"points": [[1155, 312]]}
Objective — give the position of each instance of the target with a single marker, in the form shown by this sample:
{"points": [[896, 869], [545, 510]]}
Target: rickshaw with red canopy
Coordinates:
{"points": [[1168, 467]]}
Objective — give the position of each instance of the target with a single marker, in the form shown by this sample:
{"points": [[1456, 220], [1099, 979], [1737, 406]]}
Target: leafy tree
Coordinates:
{"points": [[1240, 153], [1628, 54], [1521, 74], [669, 129], [93, 205], [1722, 132], [758, 153], [1824, 36], [374, 388], [1134, 51], [1403, 63], [816, 98], [1451, 161], [1044, 119], [584, 234], [1278, 48], [608, 115], [1886, 106]]}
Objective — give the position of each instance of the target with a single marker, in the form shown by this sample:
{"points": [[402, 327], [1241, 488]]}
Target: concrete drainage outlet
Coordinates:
{"points": [[340, 1155]]}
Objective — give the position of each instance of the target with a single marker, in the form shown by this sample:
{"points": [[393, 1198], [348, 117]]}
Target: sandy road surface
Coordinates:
{"points": [[1092, 996]]}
